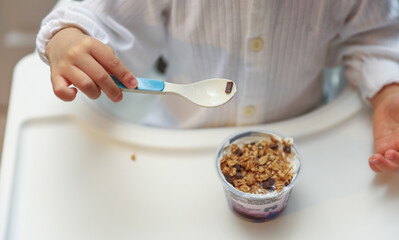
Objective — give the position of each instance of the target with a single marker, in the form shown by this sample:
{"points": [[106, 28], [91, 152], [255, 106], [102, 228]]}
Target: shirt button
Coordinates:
{"points": [[256, 44], [249, 110]]}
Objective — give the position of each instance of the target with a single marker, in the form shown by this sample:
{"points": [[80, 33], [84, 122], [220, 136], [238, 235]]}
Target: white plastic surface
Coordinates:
{"points": [[67, 174]]}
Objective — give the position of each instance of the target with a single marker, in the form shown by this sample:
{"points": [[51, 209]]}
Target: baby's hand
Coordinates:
{"points": [[386, 130], [87, 63]]}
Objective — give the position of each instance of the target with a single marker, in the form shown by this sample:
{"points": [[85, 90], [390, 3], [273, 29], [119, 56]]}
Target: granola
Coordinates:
{"points": [[259, 167]]}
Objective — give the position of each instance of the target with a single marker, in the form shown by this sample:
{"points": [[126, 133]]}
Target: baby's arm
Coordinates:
{"points": [[85, 62], [368, 46]]}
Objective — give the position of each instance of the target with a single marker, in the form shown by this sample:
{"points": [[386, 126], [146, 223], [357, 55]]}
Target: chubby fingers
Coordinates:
{"points": [[106, 57], [101, 78], [387, 163], [61, 88], [392, 156], [85, 83]]}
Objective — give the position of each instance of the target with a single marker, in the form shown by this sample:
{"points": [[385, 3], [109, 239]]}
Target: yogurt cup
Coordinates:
{"points": [[251, 206]]}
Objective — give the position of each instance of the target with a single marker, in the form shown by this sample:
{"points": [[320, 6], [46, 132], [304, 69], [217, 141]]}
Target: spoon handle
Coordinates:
{"points": [[144, 84]]}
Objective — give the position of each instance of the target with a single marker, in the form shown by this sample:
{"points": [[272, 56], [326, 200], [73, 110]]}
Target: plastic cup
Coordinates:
{"points": [[250, 206]]}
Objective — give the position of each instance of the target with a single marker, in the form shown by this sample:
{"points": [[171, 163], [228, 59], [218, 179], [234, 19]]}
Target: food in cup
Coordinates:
{"points": [[258, 169]]}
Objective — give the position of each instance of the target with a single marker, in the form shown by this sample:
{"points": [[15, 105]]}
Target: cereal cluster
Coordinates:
{"points": [[259, 167]]}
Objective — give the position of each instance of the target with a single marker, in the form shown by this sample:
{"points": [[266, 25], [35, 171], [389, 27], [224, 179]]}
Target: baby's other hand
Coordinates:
{"points": [[386, 130]]}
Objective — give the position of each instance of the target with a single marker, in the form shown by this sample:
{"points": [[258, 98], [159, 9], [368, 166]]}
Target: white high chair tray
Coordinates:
{"points": [[66, 173]]}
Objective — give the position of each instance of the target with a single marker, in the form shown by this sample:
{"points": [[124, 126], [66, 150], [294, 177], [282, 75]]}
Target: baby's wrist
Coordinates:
{"points": [[386, 93]]}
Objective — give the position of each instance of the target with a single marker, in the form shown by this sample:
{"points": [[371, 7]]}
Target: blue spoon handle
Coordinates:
{"points": [[144, 84]]}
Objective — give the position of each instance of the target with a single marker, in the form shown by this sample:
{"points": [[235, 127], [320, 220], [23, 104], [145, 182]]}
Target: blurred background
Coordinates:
{"points": [[19, 23]]}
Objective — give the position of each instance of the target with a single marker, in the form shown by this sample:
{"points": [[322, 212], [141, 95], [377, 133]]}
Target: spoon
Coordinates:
{"points": [[206, 93]]}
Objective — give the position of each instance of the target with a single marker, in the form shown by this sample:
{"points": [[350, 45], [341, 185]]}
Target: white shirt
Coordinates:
{"points": [[273, 50]]}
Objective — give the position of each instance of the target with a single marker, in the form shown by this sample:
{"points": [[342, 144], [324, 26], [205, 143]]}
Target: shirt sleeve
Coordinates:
{"points": [[135, 30], [368, 46]]}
